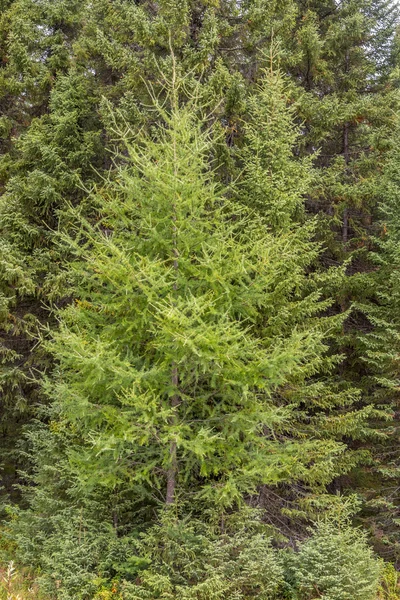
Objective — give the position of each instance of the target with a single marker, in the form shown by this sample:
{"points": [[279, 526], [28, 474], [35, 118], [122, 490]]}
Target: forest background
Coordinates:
{"points": [[199, 299]]}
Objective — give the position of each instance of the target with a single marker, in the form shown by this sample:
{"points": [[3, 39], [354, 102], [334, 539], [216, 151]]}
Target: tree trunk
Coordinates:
{"points": [[173, 467], [346, 153], [175, 400]]}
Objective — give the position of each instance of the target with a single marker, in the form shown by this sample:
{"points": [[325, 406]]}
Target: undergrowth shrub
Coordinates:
{"points": [[235, 558], [190, 561], [335, 563], [73, 555]]}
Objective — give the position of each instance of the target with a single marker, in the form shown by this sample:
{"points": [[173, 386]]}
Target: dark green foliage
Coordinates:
{"points": [[187, 558], [349, 101], [379, 348]]}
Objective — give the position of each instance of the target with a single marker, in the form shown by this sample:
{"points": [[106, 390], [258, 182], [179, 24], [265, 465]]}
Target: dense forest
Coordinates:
{"points": [[199, 299]]}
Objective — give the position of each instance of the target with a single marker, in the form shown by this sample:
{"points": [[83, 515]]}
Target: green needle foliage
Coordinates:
{"points": [[337, 564], [175, 360]]}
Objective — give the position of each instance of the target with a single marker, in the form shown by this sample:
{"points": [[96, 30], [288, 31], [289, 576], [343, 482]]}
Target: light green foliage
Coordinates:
{"points": [[337, 564], [389, 588], [61, 62], [174, 278]]}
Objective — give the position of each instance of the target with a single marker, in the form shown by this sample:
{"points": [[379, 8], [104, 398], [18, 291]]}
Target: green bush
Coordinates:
{"points": [[190, 561], [78, 555], [229, 558], [335, 563]]}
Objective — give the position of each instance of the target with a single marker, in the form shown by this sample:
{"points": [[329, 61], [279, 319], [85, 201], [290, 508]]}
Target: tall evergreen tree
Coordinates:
{"points": [[378, 346], [179, 369], [361, 97], [34, 42], [340, 57]]}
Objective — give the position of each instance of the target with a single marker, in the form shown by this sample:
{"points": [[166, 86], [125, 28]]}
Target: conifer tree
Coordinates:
{"points": [[184, 362], [359, 99], [378, 346], [340, 57], [33, 45]]}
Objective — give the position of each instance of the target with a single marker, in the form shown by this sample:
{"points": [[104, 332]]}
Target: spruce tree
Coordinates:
{"points": [[378, 346], [340, 57], [362, 100], [33, 49]]}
